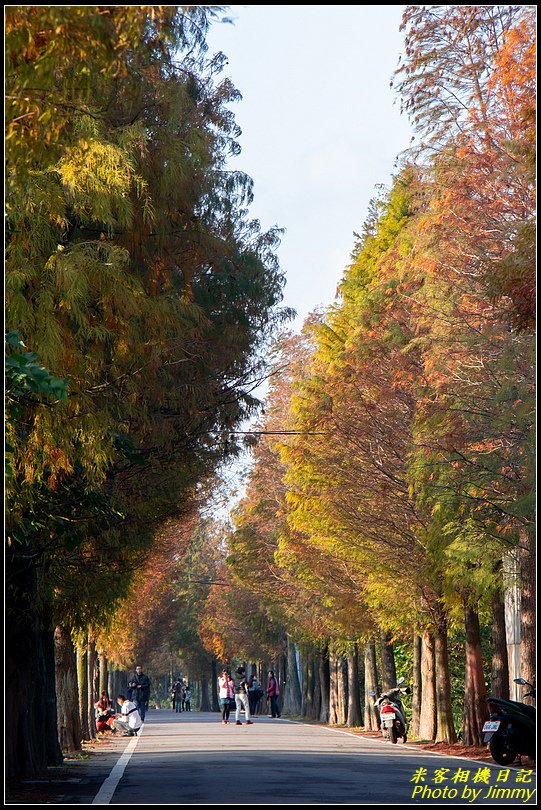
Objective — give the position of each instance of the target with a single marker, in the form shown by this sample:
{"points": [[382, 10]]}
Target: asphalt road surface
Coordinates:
{"points": [[191, 758]]}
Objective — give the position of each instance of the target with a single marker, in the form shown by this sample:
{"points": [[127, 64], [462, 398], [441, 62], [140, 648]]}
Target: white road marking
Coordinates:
{"points": [[106, 791]]}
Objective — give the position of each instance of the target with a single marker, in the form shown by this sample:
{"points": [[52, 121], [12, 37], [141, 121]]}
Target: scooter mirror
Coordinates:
{"points": [[521, 681], [399, 681], [373, 694]]}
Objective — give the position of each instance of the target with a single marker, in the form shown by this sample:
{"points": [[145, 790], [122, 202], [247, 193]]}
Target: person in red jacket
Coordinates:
{"points": [[105, 713], [273, 690]]}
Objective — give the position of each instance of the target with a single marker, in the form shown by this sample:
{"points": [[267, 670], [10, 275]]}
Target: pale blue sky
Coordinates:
{"points": [[320, 128]]}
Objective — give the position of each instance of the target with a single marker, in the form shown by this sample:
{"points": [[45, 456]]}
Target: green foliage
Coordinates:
{"points": [[134, 271], [27, 385], [26, 377], [457, 666]]}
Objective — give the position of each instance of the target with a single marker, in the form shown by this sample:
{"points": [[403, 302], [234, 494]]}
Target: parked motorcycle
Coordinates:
{"points": [[510, 731], [392, 713]]}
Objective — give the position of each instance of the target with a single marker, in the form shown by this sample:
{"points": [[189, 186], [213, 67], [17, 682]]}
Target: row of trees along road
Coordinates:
{"points": [[144, 294], [391, 490], [392, 481]]}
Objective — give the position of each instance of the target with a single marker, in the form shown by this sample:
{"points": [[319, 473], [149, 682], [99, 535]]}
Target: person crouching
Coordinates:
{"points": [[129, 719]]}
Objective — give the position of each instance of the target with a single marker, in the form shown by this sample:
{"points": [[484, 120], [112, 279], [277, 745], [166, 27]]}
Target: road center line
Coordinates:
{"points": [[106, 791]]}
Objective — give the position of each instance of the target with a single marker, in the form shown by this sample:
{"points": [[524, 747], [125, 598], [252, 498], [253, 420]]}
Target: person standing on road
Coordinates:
{"points": [[241, 697], [255, 693], [140, 690], [187, 699], [226, 685], [176, 696], [273, 690]]}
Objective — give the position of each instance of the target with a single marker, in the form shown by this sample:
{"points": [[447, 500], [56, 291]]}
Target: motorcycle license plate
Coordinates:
{"points": [[388, 720], [491, 725]]}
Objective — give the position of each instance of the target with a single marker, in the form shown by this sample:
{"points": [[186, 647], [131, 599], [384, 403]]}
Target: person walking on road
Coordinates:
{"points": [[187, 699], [241, 697], [273, 690], [140, 690], [226, 685]]}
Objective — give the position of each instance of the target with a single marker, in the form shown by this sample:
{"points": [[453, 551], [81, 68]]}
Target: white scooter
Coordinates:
{"points": [[392, 713]]}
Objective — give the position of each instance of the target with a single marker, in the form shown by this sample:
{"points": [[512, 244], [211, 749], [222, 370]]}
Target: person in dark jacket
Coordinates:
{"points": [[273, 690], [255, 693], [176, 696], [139, 690], [241, 697]]}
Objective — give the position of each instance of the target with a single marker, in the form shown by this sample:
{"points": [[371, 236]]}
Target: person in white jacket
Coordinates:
{"points": [[226, 685], [129, 720]]}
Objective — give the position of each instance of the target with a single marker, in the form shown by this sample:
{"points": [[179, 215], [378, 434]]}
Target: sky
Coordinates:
{"points": [[321, 128]]}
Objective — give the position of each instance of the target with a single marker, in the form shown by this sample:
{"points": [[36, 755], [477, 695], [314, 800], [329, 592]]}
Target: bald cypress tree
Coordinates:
{"points": [[135, 273]]}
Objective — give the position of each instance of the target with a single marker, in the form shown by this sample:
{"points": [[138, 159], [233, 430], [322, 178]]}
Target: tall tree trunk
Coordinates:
{"points": [[309, 686], [293, 696], [527, 617], [316, 691], [342, 673], [67, 693], [25, 675], [499, 677], [371, 717], [354, 695], [103, 673], [214, 685], [325, 683], [475, 696], [416, 697], [205, 705], [334, 711], [362, 685], [445, 731], [428, 716], [82, 684], [52, 742], [116, 687], [264, 678], [279, 671], [304, 662], [91, 664], [111, 681], [388, 668]]}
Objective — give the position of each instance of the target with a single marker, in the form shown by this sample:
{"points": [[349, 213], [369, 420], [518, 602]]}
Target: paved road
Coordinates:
{"points": [[192, 758]]}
